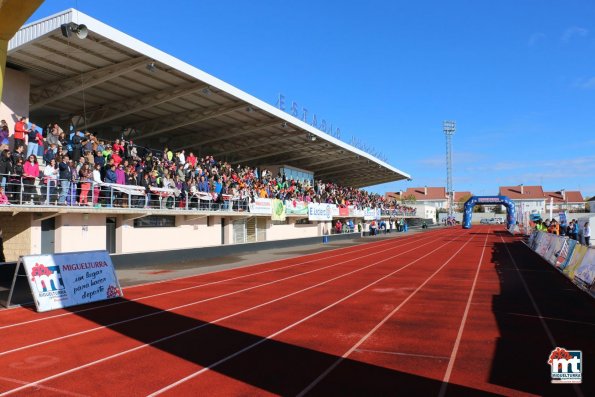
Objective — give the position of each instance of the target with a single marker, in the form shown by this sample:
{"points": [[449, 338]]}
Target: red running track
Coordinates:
{"points": [[447, 312]]}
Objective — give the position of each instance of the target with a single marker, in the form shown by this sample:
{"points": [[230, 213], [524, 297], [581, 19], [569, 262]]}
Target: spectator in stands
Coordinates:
{"points": [[53, 134], [73, 191], [19, 152], [85, 177], [30, 174], [96, 183], [65, 176], [20, 132], [5, 167], [587, 234], [50, 179], [34, 138], [3, 199], [574, 235], [554, 228], [4, 133]]}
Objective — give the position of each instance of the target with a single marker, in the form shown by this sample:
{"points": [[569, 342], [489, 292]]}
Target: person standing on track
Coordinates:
{"points": [[587, 234]]}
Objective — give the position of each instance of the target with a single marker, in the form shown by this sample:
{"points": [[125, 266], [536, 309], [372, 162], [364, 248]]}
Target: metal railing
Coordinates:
{"points": [[51, 192]]}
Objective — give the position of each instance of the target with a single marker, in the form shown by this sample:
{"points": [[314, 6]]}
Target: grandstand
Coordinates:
{"points": [[120, 88]]}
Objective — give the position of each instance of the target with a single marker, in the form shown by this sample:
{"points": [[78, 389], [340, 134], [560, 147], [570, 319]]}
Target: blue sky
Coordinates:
{"points": [[517, 76]]}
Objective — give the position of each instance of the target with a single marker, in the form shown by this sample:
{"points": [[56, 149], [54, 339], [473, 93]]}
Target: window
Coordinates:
{"points": [[302, 221], [155, 221]]}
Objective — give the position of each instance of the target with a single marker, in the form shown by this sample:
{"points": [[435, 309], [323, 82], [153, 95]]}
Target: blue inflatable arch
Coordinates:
{"points": [[488, 200]]}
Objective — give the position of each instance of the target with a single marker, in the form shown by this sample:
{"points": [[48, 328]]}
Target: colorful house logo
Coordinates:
{"points": [[47, 278], [566, 365]]}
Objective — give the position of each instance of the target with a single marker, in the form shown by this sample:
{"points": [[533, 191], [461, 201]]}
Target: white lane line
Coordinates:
{"points": [[60, 392], [44, 342], [400, 354], [547, 330], [455, 348], [548, 318], [380, 324], [275, 334], [368, 246], [122, 353]]}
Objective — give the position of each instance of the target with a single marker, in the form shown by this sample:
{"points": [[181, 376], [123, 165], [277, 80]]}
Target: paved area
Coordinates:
{"points": [[153, 273]]}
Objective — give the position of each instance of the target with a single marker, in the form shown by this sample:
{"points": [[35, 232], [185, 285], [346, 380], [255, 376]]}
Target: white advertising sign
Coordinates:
{"points": [[370, 214], [320, 212], [62, 280], [261, 206]]}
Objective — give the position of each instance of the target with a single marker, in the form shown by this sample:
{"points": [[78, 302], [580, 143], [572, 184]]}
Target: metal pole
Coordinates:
{"points": [[449, 130]]}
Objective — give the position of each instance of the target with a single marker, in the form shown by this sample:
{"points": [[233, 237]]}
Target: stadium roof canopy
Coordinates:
{"points": [[122, 84]]}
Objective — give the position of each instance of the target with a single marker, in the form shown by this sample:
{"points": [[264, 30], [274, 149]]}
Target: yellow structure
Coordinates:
{"points": [[13, 14]]}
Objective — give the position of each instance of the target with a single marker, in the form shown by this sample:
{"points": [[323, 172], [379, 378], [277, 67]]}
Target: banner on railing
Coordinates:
{"points": [[585, 272], [262, 206], [575, 261], [320, 212], [343, 211], [296, 207], [278, 210], [565, 253], [356, 212], [68, 279], [370, 214]]}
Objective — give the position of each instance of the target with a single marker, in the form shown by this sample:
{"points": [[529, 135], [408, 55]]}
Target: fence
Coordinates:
{"points": [[575, 261]]}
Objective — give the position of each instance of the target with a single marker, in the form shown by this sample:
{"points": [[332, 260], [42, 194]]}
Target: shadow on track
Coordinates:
{"points": [[522, 351], [277, 367]]}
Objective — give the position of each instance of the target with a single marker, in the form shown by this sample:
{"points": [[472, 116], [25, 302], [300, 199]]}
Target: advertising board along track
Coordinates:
{"points": [[67, 279]]}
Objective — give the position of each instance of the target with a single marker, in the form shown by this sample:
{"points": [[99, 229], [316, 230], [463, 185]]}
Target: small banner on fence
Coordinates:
{"points": [[262, 206], [294, 207], [278, 210], [62, 280], [320, 212]]}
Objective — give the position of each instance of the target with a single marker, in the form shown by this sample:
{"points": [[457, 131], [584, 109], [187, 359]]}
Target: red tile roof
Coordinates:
{"points": [[433, 194], [528, 192], [460, 195], [570, 197]]}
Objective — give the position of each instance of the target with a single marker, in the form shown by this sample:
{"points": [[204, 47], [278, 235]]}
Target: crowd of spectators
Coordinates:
{"points": [[78, 169], [571, 229]]}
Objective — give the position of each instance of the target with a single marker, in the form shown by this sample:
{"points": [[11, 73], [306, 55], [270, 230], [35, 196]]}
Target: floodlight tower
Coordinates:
{"points": [[449, 130]]}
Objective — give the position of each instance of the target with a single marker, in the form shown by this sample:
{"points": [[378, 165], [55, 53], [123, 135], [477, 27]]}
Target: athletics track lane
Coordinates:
{"points": [[209, 291], [487, 358], [139, 292], [98, 346]]}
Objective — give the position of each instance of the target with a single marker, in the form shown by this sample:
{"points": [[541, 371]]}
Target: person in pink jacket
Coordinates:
{"points": [[30, 174]]}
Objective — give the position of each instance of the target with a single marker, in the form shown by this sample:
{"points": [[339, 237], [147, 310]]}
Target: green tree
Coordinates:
{"points": [[461, 202], [410, 199]]}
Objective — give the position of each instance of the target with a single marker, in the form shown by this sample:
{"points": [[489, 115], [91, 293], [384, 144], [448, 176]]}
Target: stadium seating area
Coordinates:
{"points": [[79, 169]]}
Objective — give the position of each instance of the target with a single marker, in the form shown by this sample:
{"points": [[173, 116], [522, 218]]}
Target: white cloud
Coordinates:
{"points": [[535, 38], [586, 84], [573, 32]]}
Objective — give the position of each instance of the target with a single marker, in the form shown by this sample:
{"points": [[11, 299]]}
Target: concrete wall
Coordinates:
{"points": [[80, 232], [187, 234], [15, 97], [291, 230], [16, 232]]}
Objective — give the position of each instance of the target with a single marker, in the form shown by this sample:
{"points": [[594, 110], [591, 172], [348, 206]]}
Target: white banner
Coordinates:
{"points": [[320, 212], [261, 206], [62, 280], [370, 214]]}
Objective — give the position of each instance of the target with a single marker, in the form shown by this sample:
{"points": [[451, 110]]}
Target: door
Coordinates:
{"points": [[48, 235], [239, 231], [110, 235], [222, 231]]}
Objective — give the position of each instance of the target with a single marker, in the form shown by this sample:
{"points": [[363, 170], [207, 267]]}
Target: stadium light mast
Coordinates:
{"points": [[449, 130]]}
